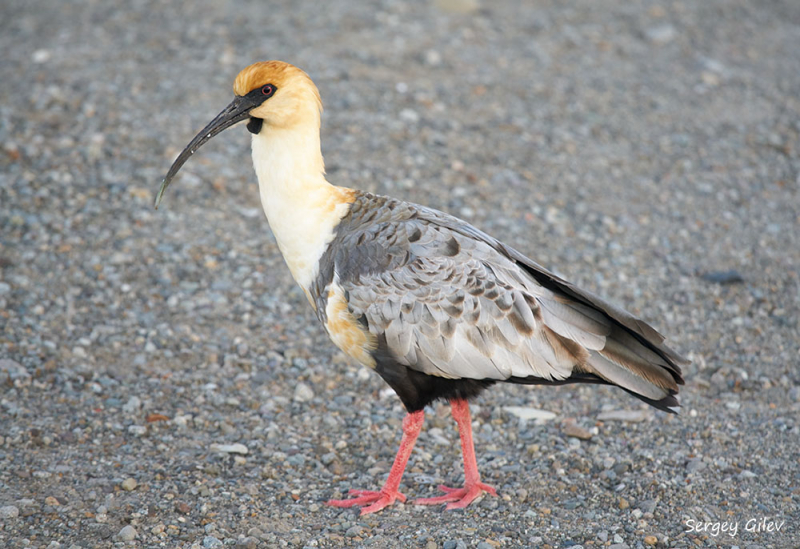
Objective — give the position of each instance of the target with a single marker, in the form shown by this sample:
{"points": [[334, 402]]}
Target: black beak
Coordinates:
{"points": [[238, 110]]}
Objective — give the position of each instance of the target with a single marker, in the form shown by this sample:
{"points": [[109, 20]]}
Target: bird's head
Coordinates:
{"points": [[271, 95]]}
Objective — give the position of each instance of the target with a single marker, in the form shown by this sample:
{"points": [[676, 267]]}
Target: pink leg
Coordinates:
{"points": [[458, 498], [412, 425]]}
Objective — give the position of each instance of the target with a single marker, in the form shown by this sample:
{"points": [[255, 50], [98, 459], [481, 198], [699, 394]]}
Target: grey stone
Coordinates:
{"points": [[128, 533], [8, 512], [303, 393], [248, 543], [648, 506], [354, 531], [237, 448], [133, 405], [660, 34]]}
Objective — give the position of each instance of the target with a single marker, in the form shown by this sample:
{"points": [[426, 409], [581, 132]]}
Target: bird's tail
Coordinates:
{"points": [[636, 366], [639, 368]]}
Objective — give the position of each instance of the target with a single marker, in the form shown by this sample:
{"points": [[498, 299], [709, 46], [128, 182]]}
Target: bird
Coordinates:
{"points": [[437, 308]]}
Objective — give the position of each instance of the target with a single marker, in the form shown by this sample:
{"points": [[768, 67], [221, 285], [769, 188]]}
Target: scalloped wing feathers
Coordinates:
{"points": [[450, 301]]}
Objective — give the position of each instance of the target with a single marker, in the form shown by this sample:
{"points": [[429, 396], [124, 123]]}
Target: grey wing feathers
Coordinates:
{"points": [[448, 300]]}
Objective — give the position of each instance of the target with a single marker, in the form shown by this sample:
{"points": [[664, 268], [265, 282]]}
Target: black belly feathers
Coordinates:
{"points": [[416, 389]]}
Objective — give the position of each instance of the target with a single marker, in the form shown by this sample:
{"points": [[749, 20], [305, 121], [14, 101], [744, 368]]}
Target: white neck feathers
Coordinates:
{"points": [[302, 208]]}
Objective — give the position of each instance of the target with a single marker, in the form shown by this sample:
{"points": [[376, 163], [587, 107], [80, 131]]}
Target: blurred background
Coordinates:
{"points": [[646, 150]]}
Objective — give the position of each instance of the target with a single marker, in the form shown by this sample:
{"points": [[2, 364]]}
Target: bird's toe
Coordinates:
{"points": [[369, 500], [458, 498]]}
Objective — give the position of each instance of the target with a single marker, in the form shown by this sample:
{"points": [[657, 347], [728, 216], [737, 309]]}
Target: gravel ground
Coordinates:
{"points": [[164, 384]]}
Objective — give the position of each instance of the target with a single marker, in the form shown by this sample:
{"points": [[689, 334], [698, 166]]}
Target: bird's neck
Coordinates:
{"points": [[302, 208]]}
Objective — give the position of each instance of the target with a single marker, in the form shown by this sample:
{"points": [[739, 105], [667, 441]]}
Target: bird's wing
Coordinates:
{"points": [[448, 300]]}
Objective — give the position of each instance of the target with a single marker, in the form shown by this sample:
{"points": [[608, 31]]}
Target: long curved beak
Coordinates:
{"points": [[238, 110]]}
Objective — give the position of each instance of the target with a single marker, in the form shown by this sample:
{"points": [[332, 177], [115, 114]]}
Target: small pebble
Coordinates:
{"points": [[574, 430], [41, 56], [128, 533], [211, 541], [133, 405], [723, 277], [237, 448], [8, 512], [529, 413], [633, 416], [695, 464], [433, 58], [129, 484], [354, 531], [660, 35], [137, 430], [409, 115], [648, 505], [303, 393], [247, 543]]}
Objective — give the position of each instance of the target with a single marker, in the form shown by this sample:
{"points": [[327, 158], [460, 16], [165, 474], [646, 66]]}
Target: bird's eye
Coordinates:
{"points": [[268, 90]]}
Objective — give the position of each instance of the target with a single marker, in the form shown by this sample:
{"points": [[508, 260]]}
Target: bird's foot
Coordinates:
{"points": [[373, 501], [458, 498]]}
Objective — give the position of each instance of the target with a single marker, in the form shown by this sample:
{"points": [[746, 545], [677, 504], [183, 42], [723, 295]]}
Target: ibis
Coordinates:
{"points": [[437, 308]]}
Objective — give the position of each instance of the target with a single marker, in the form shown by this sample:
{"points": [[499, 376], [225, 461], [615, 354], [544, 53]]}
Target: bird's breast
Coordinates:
{"points": [[345, 331], [304, 224]]}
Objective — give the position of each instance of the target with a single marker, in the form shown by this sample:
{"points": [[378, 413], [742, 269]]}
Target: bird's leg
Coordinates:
{"points": [[458, 498], [412, 425]]}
